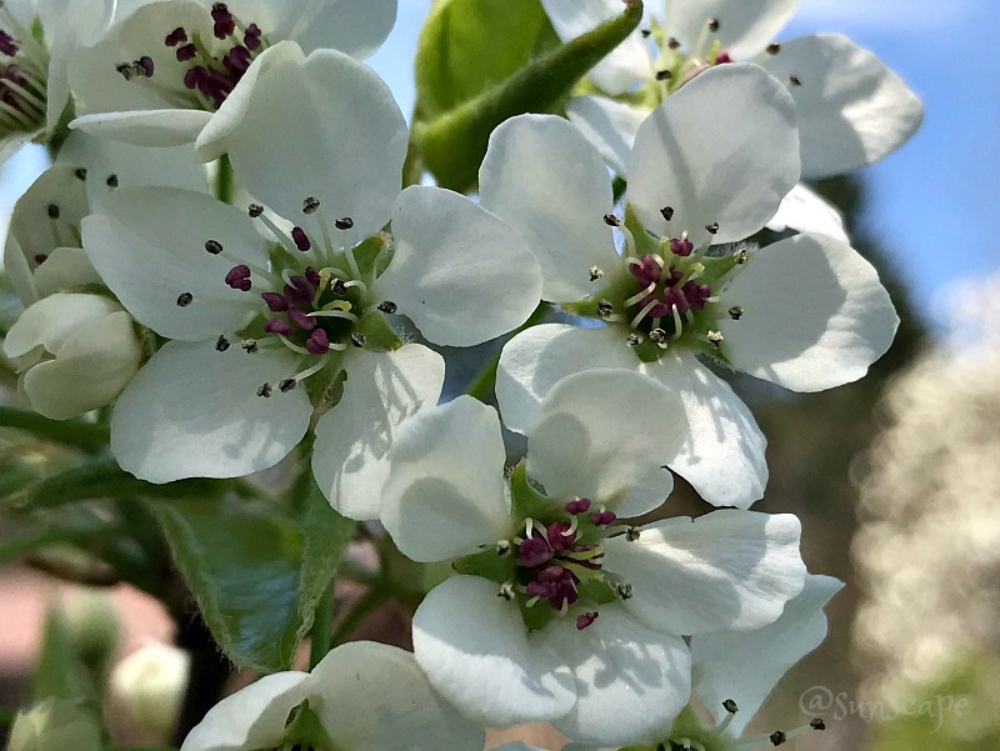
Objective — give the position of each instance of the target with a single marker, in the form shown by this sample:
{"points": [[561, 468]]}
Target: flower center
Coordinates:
{"points": [[23, 75], [209, 69]]}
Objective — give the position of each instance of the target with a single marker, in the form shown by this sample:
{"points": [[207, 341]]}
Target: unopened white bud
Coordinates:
{"points": [[149, 686], [55, 725], [75, 353]]}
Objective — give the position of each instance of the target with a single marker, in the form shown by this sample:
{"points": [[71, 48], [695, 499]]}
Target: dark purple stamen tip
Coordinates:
{"points": [[647, 271], [533, 552], [299, 291], [225, 24], [313, 277], [318, 343], [185, 53], [8, 45], [175, 37], [277, 326], [251, 37], [555, 584], [145, 65], [681, 247], [239, 278], [41, 258], [722, 58], [275, 302], [579, 506], [603, 518], [582, 621], [237, 60], [302, 320], [301, 239], [561, 537]]}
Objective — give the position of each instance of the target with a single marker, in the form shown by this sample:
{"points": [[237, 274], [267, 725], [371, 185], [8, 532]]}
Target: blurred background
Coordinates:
{"points": [[896, 478]]}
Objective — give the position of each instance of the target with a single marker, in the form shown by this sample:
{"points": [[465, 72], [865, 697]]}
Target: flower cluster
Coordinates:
{"points": [[307, 308]]}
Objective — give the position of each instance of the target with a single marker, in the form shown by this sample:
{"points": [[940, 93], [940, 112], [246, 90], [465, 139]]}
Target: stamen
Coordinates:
{"points": [[595, 273], [585, 620], [239, 278], [184, 299], [667, 212], [678, 322], [642, 294], [213, 246], [264, 391], [222, 344], [633, 533], [645, 310], [388, 307], [612, 221], [736, 312]]}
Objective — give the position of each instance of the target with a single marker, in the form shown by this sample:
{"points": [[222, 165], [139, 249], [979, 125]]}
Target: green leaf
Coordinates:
{"points": [[468, 46], [452, 144], [86, 436]]}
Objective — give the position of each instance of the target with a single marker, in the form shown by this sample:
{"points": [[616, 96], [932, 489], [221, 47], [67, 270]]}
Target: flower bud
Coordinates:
{"points": [[55, 725], [149, 685], [94, 628], [75, 353]]}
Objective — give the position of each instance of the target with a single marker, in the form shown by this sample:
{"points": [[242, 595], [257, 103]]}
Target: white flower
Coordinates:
{"points": [[365, 696], [263, 328], [74, 353], [851, 109], [149, 685], [709, 167], [163, 71], [55, 725], [557, 614]]}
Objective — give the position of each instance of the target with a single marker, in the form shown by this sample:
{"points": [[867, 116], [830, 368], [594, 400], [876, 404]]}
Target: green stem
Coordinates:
{"points": [[482, 387], [225, 184], [320, 634], [372, 599], [86, 436]]}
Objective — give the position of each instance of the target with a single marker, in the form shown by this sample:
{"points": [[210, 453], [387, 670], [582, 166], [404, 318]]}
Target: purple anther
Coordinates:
{"points": [[318, 343], [561, 537], [41, 258], [175, 37], [145, 65], [301, 239], [313, 277], [251, 37], [579, 506], [533, 552], [603, 518], [276, 303], [194, 77], [674, 297], [697, 294], [186, 52], [277, 326], [683, 247], [8, 45], [582, 621], [225, 24], [299, 291], [555, 584], [302, 320], [723, 57], [239, 278], [647, 271], [237, 60]]}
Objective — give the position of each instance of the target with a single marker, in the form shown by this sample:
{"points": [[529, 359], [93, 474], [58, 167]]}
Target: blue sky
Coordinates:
{"points": [[936, 201]]}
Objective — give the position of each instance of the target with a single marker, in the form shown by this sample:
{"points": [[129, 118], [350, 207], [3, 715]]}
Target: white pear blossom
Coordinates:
{"points": [[263, 328], [851, 109], [161, 74], [709, 168], [362, 696], [560, 613], [149, 685]]}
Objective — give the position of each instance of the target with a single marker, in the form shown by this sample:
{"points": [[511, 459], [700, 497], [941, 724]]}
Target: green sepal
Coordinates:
{"points": [[377, 331], [488, 564], [454, 143], [526, 502], [645, 243], [371, 256], [306, 731]]}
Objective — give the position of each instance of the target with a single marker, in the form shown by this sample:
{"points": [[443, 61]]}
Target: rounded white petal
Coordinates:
{"points": [[537, 359], [160, 127], [606, 435], [253, 717], [723, 457], [18, 270], [148, 244], [745, 665], [357, 27], [629, 63], [542, 177], [631, 681], [445, 493], [852, 110], [609, 126], [373, 697], [727, 570], [804, 210], [150, 685], [323, 126], [724, 149], [477, 653], [815, 314], [351, 455], [63, 269], [745, 26], [461, 274], [193, 411]]}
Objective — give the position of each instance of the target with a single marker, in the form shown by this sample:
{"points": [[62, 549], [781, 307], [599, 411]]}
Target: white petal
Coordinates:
{"points": [[629, 63], [461, 274], [536, 359], [167, 127], [606, 435], [815, 315], [192, 411], [745, 665], [148, 244], [722, 149], [631, 681], [373, 697], [609, 126], [477, 653], [723, 458], [18, 270], [357, 27], [51, 322], [65, 268], [727, 570], [332, 131], [803, 210], [351, 455], [253, 717], [542, 176], [852, 110], [445, 494], [745, 26]]}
